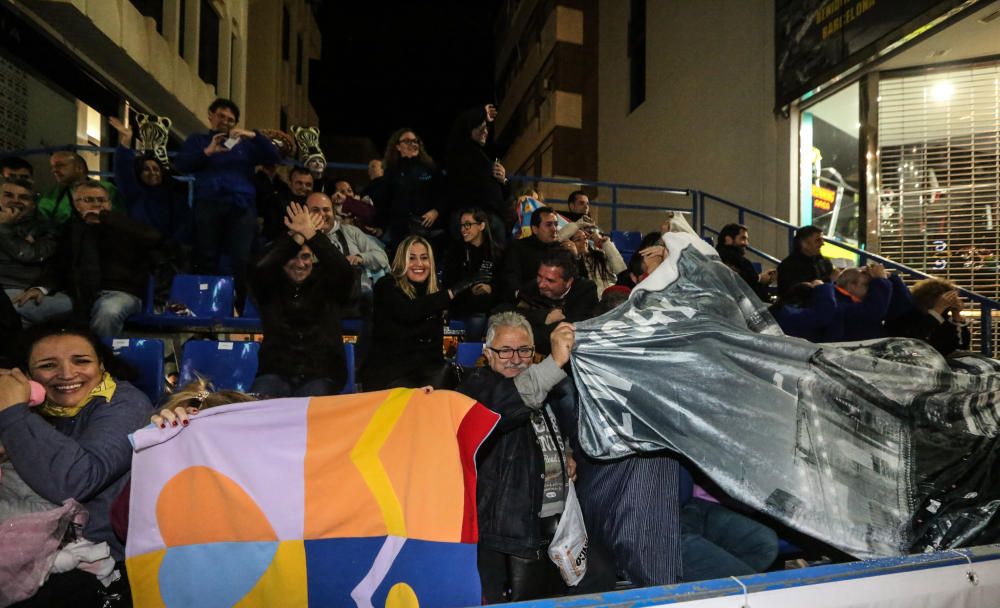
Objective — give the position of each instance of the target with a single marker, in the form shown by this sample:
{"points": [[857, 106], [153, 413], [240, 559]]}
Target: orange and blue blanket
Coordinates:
{"points": [[353, 500]]}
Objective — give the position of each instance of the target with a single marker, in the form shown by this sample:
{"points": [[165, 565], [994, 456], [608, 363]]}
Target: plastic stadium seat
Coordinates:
{"points": [[249, 320], [227, 365], [146, 355], [209, 297], [468, 353], [626, 242], [349, 385]]}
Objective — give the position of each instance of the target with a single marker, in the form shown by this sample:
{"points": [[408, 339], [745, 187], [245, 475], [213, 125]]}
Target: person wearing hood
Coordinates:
{"points": [[475, 179], [412, 202]]}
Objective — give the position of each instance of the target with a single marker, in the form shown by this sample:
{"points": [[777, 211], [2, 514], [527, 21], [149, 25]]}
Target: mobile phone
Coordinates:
{"points": [[232, 141]]}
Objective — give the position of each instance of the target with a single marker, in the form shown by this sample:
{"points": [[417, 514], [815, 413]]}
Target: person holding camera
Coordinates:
{"points": [[597, 257]]}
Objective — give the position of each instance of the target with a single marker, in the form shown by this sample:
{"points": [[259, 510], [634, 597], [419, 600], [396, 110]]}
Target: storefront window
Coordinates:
{"points": [[828, 165]]}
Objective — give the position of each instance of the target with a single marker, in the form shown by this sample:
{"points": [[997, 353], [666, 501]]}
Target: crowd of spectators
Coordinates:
{"points": [[311, 252]]}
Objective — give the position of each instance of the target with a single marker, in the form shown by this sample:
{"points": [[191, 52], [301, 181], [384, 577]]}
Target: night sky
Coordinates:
{"points": [[417, 64]]}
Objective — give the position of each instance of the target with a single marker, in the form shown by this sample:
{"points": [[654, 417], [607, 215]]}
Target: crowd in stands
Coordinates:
{"points": [[311, 252]]}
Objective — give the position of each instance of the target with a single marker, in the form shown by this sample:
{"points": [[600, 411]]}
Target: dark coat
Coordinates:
{"points": [[862, 320], [799, 268], [812, 321], [735, 258], [226, 177], [26, 248], [407, 336], [509, 465], [409, 190], [520, 263], [470, 169], [271, 200], [164, 207], [464, 262], [112, 255], [302, 333], [578, 305]]}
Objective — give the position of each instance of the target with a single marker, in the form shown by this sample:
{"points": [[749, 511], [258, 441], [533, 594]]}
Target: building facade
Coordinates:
{"points": [[547, 89]]}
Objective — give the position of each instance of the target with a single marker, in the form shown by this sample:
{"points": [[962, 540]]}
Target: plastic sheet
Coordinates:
{"points": [[878, 448]]}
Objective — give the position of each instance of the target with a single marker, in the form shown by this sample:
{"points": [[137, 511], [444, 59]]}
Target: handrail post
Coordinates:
{"points": [[742, 215], [986, 329], [614, 207], [791, 240], [696, 220]]}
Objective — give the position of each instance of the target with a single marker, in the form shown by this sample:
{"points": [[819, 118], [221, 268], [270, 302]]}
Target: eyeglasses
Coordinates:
{"points": [[410, 142], [92, 200], [467, 225], [508, 353]]}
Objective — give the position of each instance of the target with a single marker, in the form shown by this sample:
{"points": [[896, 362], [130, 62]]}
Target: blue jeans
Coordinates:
{"points": [[52, 306], [107, 316], [718, 543], [273, 385]]}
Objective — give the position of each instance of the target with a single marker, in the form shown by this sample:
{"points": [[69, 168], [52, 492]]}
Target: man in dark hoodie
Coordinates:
{"points": [[805, 263], [475, 179]]}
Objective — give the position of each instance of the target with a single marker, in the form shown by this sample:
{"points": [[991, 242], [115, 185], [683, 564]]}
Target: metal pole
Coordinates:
{"points": [[695, 216], [614, 208], [986, 329]]}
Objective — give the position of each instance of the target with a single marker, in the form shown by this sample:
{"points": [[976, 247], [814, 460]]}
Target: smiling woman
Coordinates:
{"points": [[74, 445]]}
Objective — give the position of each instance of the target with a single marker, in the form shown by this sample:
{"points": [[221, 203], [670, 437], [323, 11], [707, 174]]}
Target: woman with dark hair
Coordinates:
{"points": [[477, 257], [475, 179], [75, 444], [151, 196], [597, 256], [407, 343], [409, 200]]}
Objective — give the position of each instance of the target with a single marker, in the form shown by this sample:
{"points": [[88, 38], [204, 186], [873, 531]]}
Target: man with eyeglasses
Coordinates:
{"points": [[522, 256], [68, 169], [27, 245], [105, 260], [524, 467]]}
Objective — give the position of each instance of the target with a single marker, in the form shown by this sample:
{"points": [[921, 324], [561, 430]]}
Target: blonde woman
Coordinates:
{"points": [[409, 308]]}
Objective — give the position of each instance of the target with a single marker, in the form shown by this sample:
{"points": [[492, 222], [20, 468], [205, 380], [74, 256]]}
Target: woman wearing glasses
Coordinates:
{"points": [[476, 257], [411, 202], [407, 349]]}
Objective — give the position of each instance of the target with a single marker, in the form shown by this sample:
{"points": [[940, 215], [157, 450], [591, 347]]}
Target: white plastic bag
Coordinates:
{"points": [[568, 549]]}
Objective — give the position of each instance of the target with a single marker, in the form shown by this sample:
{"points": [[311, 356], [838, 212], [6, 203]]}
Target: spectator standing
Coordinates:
{"points": [[27, 246], [475, 179], [732, 247], [272, 196], [105, 260], [524, 467], [407, 348], [476, 257], [414, 202], [150, 197], [299, 299], [68, 169], [222, 162]]}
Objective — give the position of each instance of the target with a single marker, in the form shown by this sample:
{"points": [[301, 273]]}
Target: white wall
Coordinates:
{"points": [[707, 122]]}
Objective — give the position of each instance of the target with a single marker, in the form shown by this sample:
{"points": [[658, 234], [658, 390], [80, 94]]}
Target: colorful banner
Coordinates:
{"points": [[331, 501]]}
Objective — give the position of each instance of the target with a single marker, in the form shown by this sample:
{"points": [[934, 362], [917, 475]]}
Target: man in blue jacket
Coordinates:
{"points": [[222, 162]]}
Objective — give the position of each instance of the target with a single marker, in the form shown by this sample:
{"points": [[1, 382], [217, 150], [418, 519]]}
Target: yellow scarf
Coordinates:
{"points": [[105, 388]]}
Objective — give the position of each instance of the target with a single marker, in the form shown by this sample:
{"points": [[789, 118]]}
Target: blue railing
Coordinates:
{"points": [[697, 207]]}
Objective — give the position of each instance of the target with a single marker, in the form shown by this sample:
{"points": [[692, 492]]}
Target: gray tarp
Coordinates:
{"points": [[875, 448]]}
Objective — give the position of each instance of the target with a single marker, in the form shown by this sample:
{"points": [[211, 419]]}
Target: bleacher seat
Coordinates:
{"points": [[146, 356], [350, 386], [626, 241], [468, 353], [249, 320], [227, 365], [209, 297]]}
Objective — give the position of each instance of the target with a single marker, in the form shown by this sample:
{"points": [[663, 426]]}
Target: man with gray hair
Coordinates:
{"points": [[524, 467], [105, 260]]}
